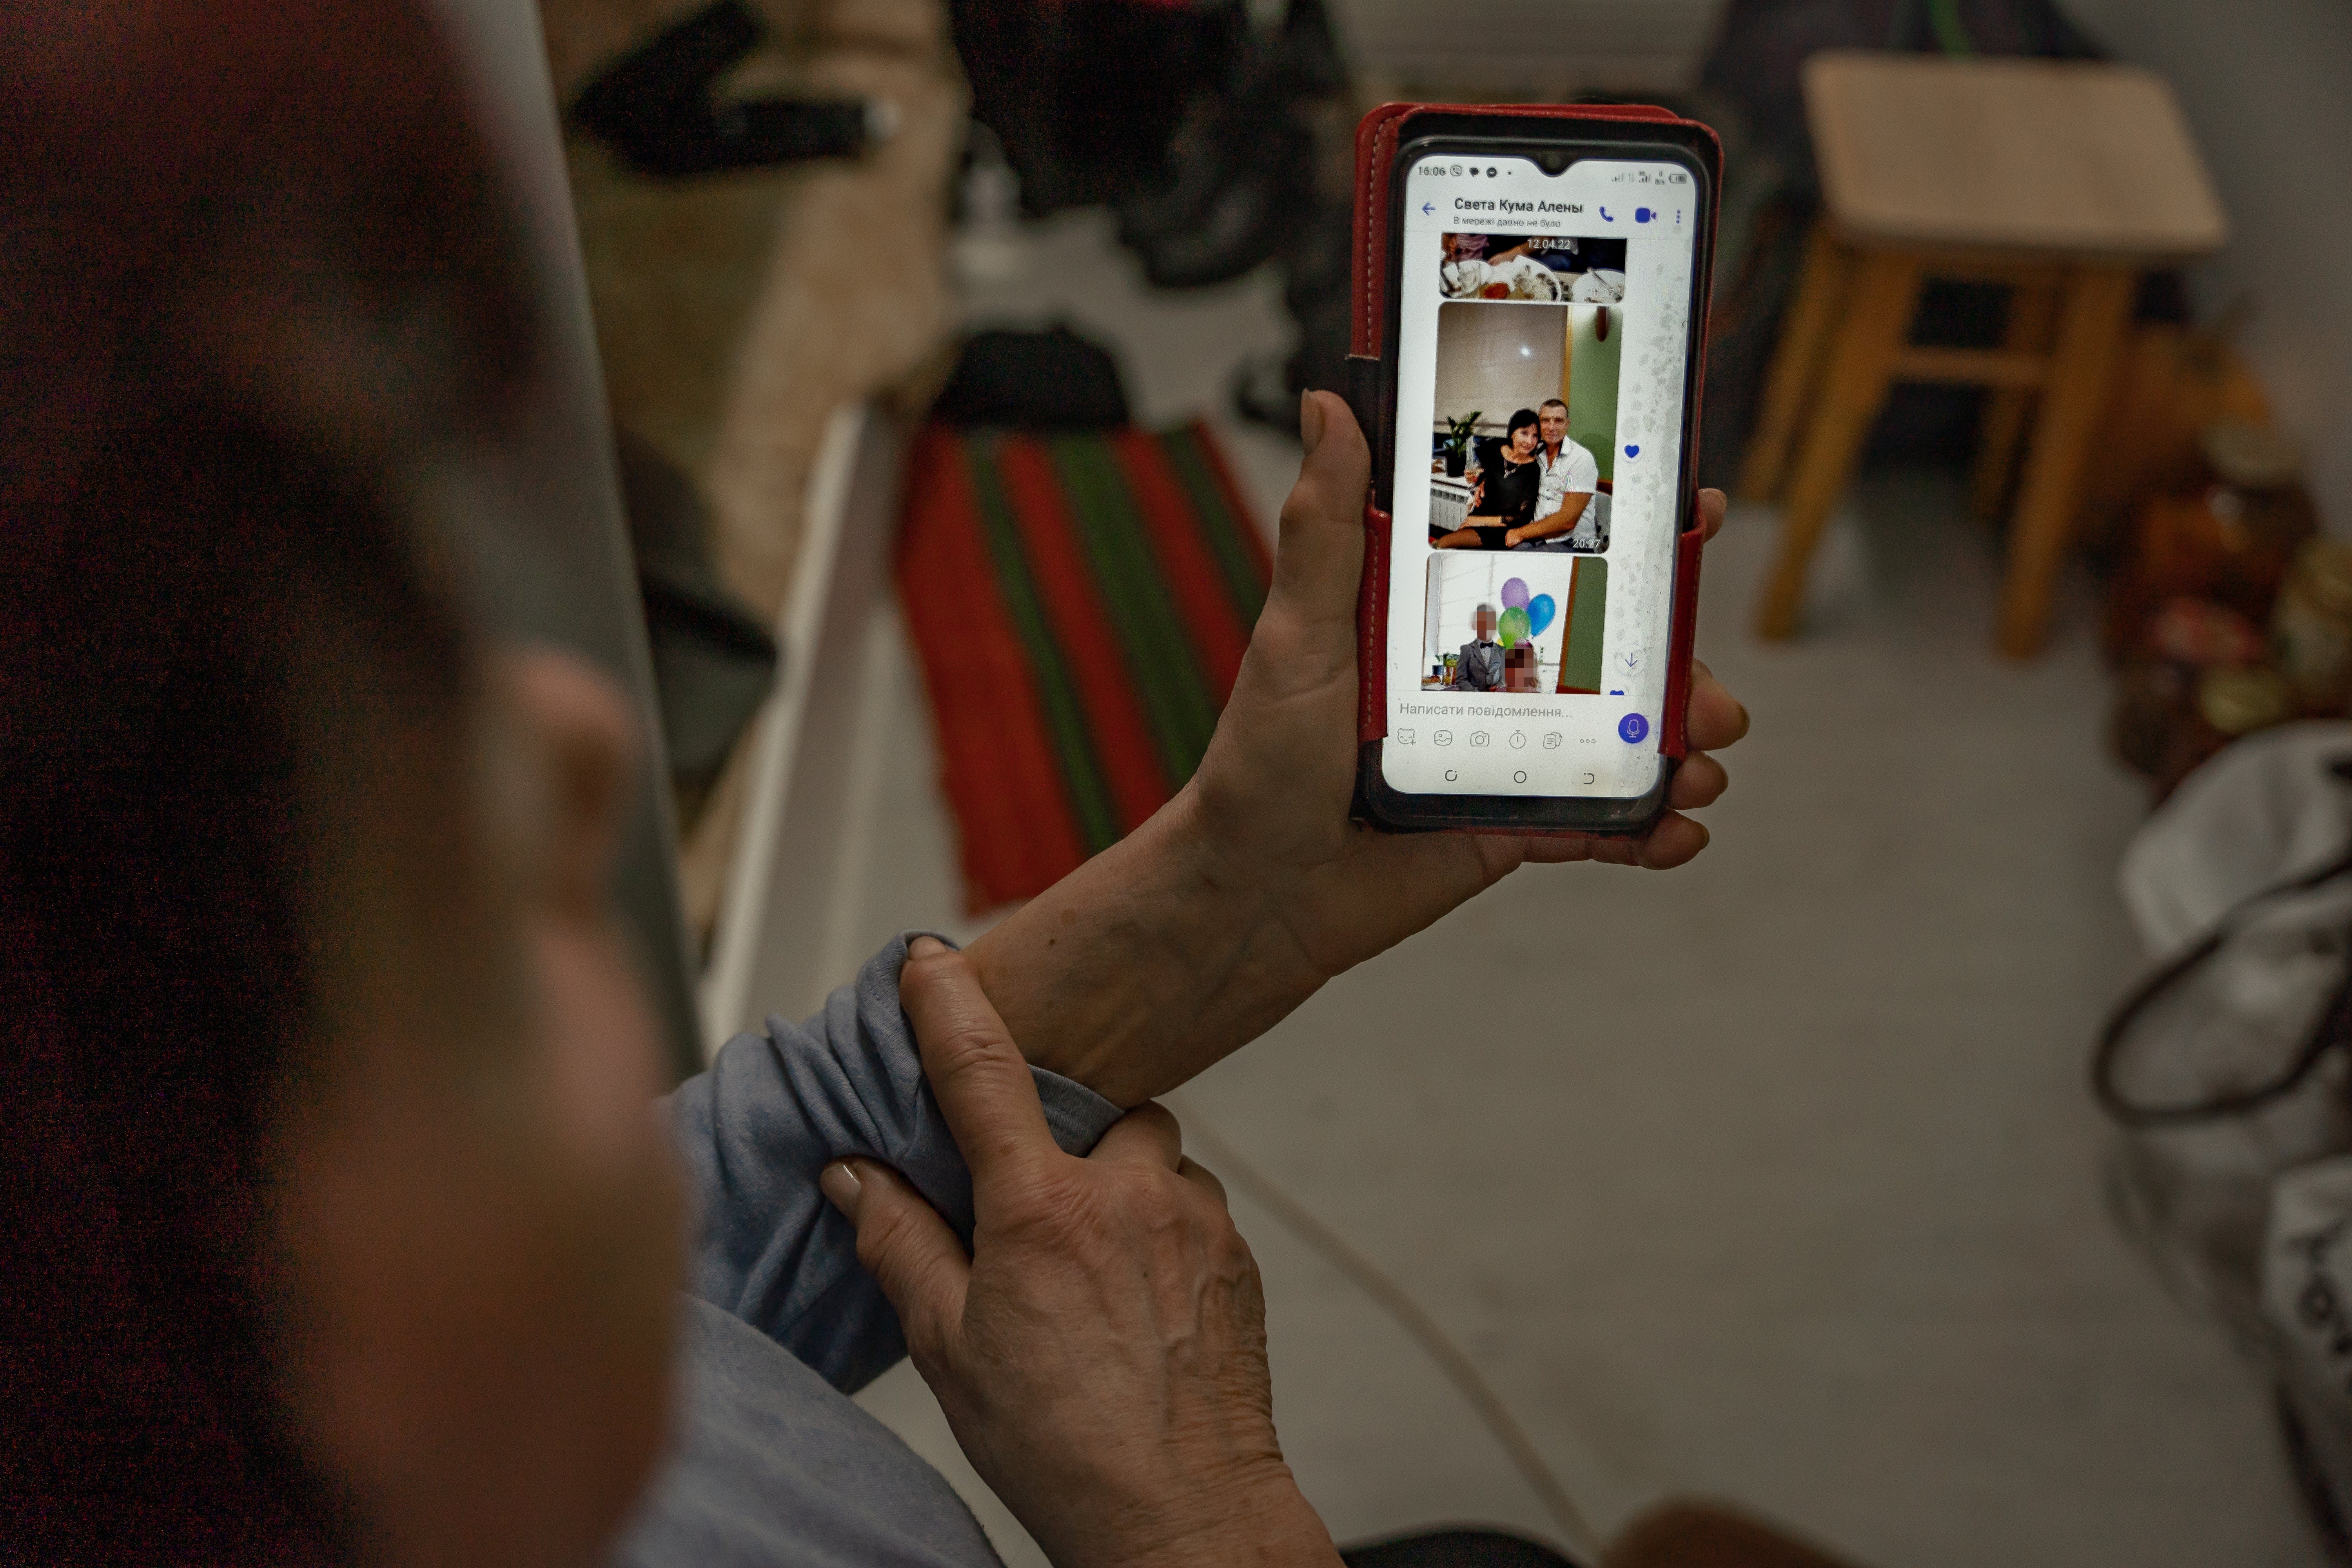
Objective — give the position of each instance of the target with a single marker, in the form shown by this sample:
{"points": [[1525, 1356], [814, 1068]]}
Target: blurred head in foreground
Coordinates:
{"points": [[339, 1225]]}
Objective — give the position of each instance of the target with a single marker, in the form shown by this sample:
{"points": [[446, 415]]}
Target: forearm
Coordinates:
{"points": [[1144, 966]]}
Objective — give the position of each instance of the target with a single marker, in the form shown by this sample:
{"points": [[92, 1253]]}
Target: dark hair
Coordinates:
{"points": [[177, 532], [1524, 418], [152, 870]]}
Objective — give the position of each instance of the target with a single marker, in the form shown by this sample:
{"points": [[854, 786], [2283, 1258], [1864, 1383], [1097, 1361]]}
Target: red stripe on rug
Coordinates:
{"points": [[1018, 831], [1194, 581], [1245, 517], [1091, 646]]}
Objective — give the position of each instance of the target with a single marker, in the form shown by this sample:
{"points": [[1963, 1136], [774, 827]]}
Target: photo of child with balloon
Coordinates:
{"points": [[1534, 626]]}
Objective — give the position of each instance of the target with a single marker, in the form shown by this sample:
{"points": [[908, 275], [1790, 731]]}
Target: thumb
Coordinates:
{"points": [[1321, 552], [906, 1245]]}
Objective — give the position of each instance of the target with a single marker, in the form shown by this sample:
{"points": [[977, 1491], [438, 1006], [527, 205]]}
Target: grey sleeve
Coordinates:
{"points": [[773, 1109]]}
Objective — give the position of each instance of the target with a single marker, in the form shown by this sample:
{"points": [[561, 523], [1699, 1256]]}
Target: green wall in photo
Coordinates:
{"points": [[1593, 382], [1587, 614]]}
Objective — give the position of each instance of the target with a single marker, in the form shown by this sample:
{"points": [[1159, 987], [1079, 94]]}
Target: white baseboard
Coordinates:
{"points": [[770, 951]]}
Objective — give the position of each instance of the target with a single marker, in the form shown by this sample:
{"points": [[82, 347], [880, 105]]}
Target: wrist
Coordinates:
{"points": [[1149, 963], [1267, 1525]]}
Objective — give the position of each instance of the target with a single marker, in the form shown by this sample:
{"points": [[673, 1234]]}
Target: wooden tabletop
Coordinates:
{"points": [[2062, 157]]}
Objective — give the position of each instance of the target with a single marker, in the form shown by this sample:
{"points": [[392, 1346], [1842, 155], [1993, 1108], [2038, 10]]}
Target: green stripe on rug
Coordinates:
{"points": [[1160, 658], [1065, 720], [1219, 526]]}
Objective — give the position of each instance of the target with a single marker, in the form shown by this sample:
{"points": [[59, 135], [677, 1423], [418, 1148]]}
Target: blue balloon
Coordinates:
{"points": [[1540, 611]]}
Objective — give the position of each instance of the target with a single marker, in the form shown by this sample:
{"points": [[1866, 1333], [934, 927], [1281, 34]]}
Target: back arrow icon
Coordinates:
{"points": [[1426, 208]]}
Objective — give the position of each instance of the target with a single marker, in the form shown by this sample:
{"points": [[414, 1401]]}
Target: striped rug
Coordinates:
{"points": [[1079, 605]]}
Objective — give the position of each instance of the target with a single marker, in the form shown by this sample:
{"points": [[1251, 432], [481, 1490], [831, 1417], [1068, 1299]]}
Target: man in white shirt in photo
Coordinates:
{"points": [[1566, 517]]}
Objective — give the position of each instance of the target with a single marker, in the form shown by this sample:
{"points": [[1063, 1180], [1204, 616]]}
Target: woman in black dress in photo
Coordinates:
{"points": [[1509, 482]]}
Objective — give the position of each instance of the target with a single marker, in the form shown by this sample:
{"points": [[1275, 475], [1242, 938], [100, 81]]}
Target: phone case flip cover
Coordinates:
{"points": [[1377, 138]]}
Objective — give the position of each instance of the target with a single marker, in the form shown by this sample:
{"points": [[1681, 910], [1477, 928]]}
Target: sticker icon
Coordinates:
{"points": [[1404, 737], [1632, 727]]}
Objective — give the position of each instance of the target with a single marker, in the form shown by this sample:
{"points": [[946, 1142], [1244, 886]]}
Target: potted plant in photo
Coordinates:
{"points": [[1456, 445]]}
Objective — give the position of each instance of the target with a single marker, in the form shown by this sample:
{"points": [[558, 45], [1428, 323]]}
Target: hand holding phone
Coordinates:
{"points": [[1539, 278]]}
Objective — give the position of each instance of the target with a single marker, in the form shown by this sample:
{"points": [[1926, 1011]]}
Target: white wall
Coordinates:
{"points": [[2267, 86], [1497, 357]]}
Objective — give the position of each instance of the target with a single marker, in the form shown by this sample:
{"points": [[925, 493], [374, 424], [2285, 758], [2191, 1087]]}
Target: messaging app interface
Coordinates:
{"points": [[1544, 325]]}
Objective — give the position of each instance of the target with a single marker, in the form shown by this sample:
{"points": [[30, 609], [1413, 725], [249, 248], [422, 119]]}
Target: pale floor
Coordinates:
{"points": [[1773, 1179]]}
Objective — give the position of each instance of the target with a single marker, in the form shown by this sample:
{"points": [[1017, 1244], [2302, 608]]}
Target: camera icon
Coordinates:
{"points": [[1477, 737]]}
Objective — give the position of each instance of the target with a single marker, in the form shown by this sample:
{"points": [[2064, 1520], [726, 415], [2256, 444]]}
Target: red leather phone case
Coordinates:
{"points": [[1376, 139]]}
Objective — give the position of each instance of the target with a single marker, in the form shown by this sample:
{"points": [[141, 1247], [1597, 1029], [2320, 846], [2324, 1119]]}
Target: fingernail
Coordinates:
{"points": [[1310, 422], [925, 947], [838, 1183]]}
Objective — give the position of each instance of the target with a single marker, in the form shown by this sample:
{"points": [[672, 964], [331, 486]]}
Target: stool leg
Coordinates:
{"points": [[2091, 323], [1796, 362], [2033, 318], [1861, 364]]}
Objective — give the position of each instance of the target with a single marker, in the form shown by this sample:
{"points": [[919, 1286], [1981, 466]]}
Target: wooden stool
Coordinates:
{"points": [[2062, 181]]}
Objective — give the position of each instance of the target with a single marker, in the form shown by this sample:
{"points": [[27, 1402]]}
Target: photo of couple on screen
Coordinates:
{"points": [[1525, 423]]}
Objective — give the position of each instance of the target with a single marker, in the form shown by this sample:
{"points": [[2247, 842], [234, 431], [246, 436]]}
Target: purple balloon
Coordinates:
{"points": [[1515, 594]]}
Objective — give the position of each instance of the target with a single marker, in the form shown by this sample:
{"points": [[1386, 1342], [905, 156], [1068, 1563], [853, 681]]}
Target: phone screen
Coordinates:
{"points": [[1544, 339]]}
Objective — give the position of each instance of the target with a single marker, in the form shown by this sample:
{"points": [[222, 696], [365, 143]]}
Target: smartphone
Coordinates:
{"points": [[1534, 451]]}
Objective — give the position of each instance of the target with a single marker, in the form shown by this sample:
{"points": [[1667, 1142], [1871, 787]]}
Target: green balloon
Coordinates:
{"points": [[1513, 627]]}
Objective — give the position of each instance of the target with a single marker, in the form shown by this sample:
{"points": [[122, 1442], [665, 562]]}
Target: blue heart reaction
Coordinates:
{"points": [[1631, 450]]}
